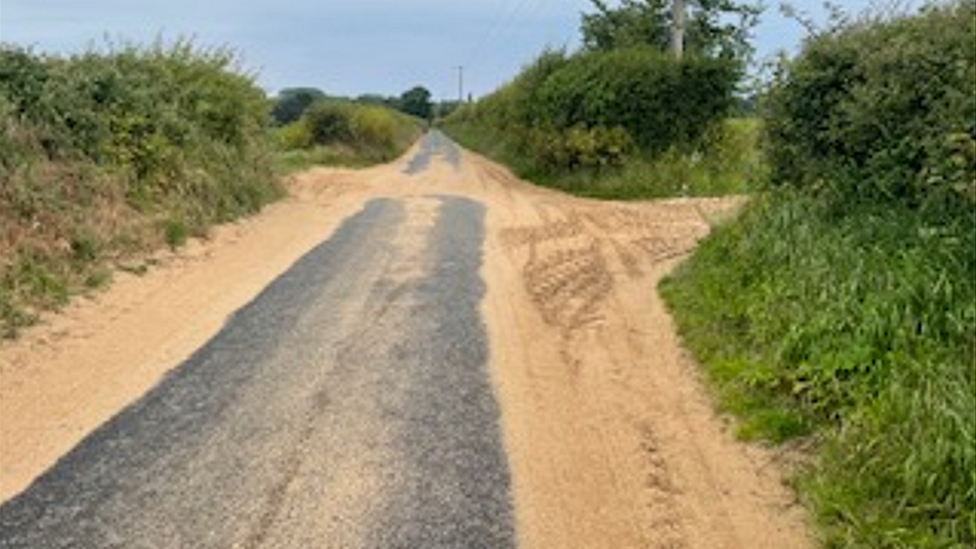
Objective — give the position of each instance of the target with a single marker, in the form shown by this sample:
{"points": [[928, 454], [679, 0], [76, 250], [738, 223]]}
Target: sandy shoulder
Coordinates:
{"points": [[78, 368]]}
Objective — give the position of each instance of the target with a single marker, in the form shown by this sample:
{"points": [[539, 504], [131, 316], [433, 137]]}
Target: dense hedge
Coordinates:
{"points": [[107, 153], [881, 111], [594, 109], [174, 123], [658, 100], [339, 131]]}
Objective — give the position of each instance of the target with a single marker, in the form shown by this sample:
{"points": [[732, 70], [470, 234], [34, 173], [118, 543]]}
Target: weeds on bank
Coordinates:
{"points": [[842, 305]]}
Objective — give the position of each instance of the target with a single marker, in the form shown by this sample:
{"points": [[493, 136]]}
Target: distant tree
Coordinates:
{"points": [[445, 108], [416, 101], [291, 104], [377, 99], [712, 28]]}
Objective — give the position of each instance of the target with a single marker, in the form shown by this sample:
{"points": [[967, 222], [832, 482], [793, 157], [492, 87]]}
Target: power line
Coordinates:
{"points": [[504, 18], [460, 70], [506, 25]]}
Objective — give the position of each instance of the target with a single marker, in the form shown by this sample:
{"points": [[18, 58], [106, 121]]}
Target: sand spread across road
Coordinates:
{"points": [[611, 439]]}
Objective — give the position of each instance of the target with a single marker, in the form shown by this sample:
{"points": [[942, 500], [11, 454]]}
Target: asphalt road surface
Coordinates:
{"points": [[348, 405]]}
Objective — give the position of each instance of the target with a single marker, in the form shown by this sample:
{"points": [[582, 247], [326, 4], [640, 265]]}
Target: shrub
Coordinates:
{"points": [[580, 147], [881, 110], [342, 132], [294, 136], [329, 122], [596, 109], [97, 148], [373, 127], [292, 103], [661, 102]]}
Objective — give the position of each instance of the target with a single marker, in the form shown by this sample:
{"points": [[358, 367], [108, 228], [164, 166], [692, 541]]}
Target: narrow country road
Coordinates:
{"points": [[461, 361]]}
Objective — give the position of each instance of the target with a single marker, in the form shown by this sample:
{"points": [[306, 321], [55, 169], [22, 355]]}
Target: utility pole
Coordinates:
{"points": [[460, 69], [678, 32]]}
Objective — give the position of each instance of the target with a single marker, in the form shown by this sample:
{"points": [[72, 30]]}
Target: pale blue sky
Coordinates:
{"points": [[349, 47]]}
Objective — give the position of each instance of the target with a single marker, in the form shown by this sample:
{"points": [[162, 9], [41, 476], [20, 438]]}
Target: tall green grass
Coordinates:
{"points": [[861, 331]]}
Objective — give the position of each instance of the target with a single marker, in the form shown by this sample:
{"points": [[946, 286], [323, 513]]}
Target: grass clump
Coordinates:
{"points": [[176, 233], [99, 150], [841, 305]]}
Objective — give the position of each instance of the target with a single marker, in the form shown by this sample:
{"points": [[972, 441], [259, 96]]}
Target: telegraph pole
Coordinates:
{"points": [[460, 70], [678, 32]]}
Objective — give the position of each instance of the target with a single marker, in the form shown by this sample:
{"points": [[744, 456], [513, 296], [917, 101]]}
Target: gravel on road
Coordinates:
{"points": [[348, 405]]}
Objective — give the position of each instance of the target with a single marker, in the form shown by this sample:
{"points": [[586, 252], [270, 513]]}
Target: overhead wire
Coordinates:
{"points": [[505, 26], [505, 18]]}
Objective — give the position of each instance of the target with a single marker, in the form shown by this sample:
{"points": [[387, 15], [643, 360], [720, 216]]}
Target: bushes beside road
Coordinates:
{"points": [[842, 304], [881, 111], [107, 155], [605, 123], [840, 309], [344, 132], [111, 153]]}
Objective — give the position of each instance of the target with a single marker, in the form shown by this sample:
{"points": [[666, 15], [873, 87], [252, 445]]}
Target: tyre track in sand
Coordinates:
{"points": [[569, 273], [612, 438]]}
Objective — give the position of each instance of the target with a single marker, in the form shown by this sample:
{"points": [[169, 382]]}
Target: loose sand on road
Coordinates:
{"points": [[610, 436]]}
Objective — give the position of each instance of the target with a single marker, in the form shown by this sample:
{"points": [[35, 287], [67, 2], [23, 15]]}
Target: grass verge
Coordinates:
{"points": [[855, 329]]}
